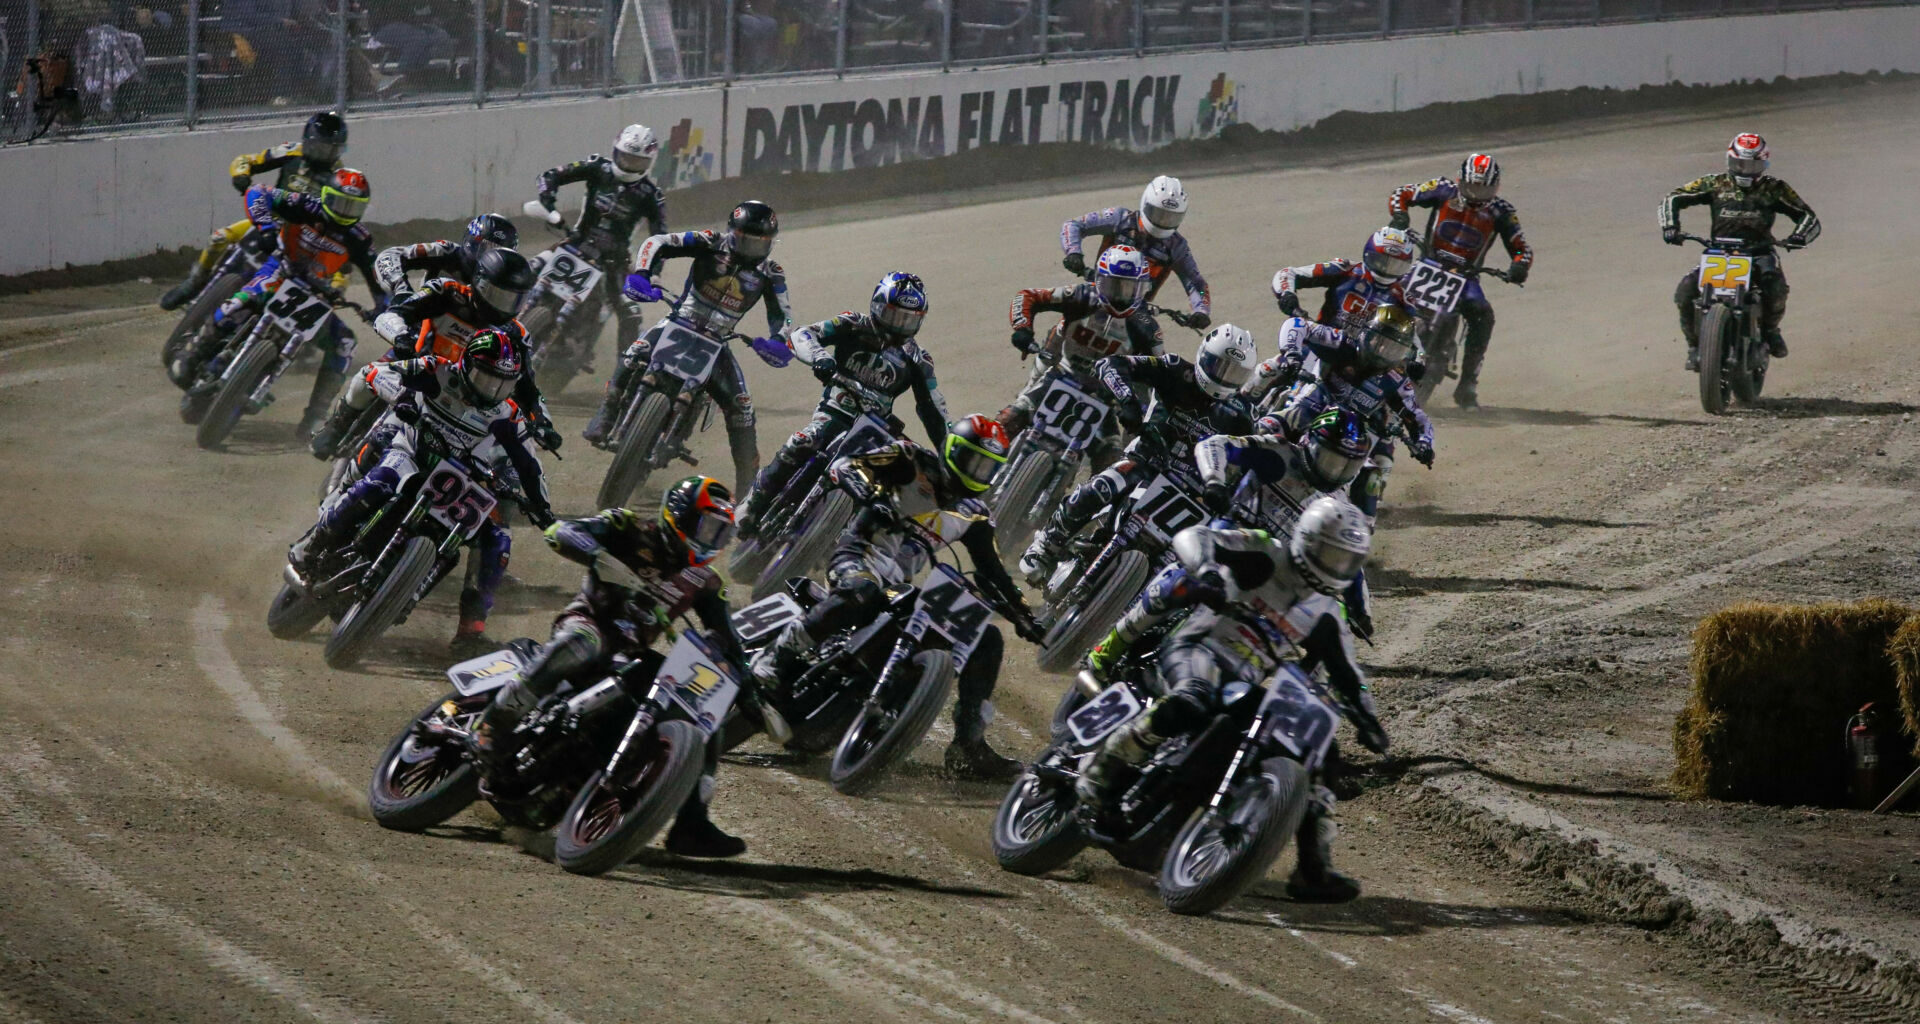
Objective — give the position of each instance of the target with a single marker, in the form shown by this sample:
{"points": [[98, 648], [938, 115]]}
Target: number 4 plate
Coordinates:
{"points": [[1096, 719]]}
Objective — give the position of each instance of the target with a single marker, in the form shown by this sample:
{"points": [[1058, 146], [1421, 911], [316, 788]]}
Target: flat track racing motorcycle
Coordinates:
{"points": [[1726, 317]]}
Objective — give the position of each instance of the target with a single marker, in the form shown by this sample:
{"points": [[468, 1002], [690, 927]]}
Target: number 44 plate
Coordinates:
{"points": [[1114, 707]]}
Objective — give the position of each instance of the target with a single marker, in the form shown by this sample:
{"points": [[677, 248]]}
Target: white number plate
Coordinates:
{"points": [[567, 275], [1167, 510], [454, 499], [954, 612], [1098, 718], [1299, 717], [766, 617], [1433, 287], [695, 682], [298, 311], [867, 433], [688, 355], [1068, 414]]}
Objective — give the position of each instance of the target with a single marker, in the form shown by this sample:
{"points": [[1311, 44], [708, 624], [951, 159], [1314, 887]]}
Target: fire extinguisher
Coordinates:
{"points": [[1863, 757]]}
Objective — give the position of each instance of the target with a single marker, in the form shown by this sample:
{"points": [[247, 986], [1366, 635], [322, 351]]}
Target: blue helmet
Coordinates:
{"points": [[899, 304], [490, 231]]}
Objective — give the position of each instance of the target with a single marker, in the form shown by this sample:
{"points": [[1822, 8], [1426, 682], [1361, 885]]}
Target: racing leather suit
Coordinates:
{"points": [[1352, 293], [1747, 214], [1118, 225], [297, 174], [438, 259], [1459, 234], [878, 360], [607, 618], [604, 229], [1087, 332], [719, 291]]}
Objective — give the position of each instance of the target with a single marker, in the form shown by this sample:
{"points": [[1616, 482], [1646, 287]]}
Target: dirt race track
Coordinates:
{"points": [[182, 835]]}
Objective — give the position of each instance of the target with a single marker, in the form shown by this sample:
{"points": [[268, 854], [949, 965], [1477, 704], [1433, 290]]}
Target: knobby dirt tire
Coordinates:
{"points": [[633, 461], [368, 619], [1034, 830], [293, 614], [1019, 507], [231, 401], [582, 848], [200, 311], [1715, 327], [855, 770], [390, 794], [812, 542], [1284, 806], [1073, 636]]}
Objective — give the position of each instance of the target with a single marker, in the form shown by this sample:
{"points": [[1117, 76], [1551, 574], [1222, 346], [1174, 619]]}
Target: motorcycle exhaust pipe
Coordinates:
{"points": [[1089, 686]]}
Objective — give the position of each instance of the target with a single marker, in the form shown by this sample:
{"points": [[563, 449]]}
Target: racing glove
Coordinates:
{"points": [[540, 515], [242, 182], [613, 572], [1023, 340], [1289, 303], [640, 288], [824, 368], [1076, 263], [1219, 498], [1795, 240], [545, 436], [1517, 272], [1213, 585], [391, 327], [1130, 415], [772, 351], [536, 208], [1400, 220], [1671, 236], [1024, 627], [1416, 370], [1423, 454], [1199, 321]]}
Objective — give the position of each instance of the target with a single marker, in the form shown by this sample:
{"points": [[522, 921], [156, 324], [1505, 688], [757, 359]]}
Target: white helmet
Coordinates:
{"points": [[1330, 544], [1225, 362], [1162, 206], [633, 152]]}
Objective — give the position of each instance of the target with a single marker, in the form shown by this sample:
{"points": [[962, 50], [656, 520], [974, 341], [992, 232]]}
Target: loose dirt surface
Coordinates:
{"points": [[181, 829]]}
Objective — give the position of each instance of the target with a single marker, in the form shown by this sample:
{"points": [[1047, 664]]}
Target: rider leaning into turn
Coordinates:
{"points": [[620, 194], [1743, 203], [878, 551], [880, 349], [1265, 480], [1467, 215], [1154, 230], [732, 270], [641, 574], [1256, 600], [444, 258], [304, 167], [1354, 290], [1206, 390]]}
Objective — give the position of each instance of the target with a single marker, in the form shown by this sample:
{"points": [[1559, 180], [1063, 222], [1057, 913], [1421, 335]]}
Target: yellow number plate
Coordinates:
{"points": [[1720, 271]]}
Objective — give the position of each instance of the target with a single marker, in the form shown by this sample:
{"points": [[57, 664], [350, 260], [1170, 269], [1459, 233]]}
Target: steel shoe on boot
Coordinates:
{"points": [[1466, 396], [1038, 561], [604, 417], [1314, 880], [470, 641], [978, 762], [695, 835], [181, 293], [1693, 359]]}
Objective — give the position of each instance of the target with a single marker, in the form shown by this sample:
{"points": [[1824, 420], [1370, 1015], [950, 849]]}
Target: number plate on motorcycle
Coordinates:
{"points": [[297, 310], [1166, 509], [688, 355], [766, 617], [1096, 719], [487, 672], [1068, 414], [1433, 288], [701, 688], [1298, 716], [954, 612], [455, 500], [867, 433], [1724, 272], [568, 276]]}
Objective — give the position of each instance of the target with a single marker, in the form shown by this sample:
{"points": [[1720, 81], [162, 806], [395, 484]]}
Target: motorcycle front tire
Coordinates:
{"points": [[1077, 631], [864, 757], [1715, 333], [588, 842], [374, 613], [633, 459]]}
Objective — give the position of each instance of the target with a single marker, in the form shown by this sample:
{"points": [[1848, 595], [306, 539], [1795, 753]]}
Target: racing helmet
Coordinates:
{"points": [[1121, 278], [975, 449], [899, 304], [324, 138], [699, 511], [1388, 255], [490, 231], [1337, 446], [1163, 205], [634, 152], [1479, 178], [1225, 361], [1330, 544], [345, 198], [490, 367], [1389, 339], [501, 279], [751, 230], [1747, 159]]}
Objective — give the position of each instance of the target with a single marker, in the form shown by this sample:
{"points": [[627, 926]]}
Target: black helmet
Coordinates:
{"points": [[699, 510], [501, 279], [490, 231], [324, 139], [490, 366], [752, 229]]}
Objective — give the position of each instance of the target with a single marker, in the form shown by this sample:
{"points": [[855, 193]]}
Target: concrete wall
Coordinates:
{"points": [[98, 199]]}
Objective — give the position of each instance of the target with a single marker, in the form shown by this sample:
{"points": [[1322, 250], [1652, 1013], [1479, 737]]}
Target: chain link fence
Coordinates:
{"points": [[82, 66]]}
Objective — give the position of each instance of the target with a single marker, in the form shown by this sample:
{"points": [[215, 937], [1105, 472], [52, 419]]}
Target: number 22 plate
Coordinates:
{"points": [[1722, 272]]}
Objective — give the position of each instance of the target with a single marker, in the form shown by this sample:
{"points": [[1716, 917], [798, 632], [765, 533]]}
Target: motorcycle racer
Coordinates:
{"points": [[1467, 214], [304, 166], [641, 574], [732, 270], [1256, 601], [620, 194], [1153, 230], [1207, 389], [941, 492], [457, 260], [879, 349], [318, 236], [1742, 203], [1354, 290], [1106, 318]]}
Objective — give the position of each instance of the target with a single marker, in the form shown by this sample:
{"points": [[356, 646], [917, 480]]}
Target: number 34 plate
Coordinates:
{"points": [[1096, 719]]}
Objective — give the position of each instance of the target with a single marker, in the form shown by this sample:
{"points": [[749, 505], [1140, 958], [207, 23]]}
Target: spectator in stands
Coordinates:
{"points": [[411, 33]]}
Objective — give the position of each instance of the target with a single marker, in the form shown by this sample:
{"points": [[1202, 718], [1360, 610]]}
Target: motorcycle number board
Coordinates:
{"points": [[1069, 415], [954, 612], [569, 276], [298, 311], [1166, 509], [695, 682], [1093, 721], [1433, 288], [487, 672], [867, 433], [1724, 272], [456, 500], [688, 355], [766, 617], [1297, 716]]}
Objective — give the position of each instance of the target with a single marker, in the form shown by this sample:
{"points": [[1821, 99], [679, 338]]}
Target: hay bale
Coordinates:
{"points": [[1773, 687], [1904, 650]]}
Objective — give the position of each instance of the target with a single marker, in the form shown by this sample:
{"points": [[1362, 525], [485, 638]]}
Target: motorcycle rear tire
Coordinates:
{"points": [[1019, 507], [578, 844], [812, 542], [293, 614], [633, 460], [1076, 632], [445, 795], [368, 619], [199, 312], [1716, 330], [1287, 787], [863, 759], [1018, 844], [231, 401]]}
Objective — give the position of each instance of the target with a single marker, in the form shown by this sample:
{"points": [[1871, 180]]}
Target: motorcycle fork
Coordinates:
{"points": [[902, 649], [1248, 741], [642, 724]]}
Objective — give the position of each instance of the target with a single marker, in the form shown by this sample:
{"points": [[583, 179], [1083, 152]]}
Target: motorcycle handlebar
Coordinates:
{"points": [[1738, 244]]}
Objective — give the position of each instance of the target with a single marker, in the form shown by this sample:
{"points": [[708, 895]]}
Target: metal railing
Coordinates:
{"points": [[77, 67]]}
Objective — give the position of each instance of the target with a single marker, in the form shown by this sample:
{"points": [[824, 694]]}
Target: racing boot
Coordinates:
{"points": [[326, 385], [608, 413], [333, 431], [745, 449], [1038, 561], [470, 640], [489, 740], [1776, 344], [1690, 333], [781, 659], [1105, 654], [182, 293], [695, 835], [1116, 766], [1314, 880], [969, 756], [1693, 358], [1466, 394]]}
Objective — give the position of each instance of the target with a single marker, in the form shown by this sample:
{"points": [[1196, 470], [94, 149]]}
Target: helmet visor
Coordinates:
{"points": [[320, 151], [1388, 348], [1746, 167], [633, 163], [1163, 218], [489, 383], [497, 297], [344, 208], [975, 466], [1333, 467], [1336, 563], [1478, 191], [903, 322], [1228, 374], [711, 532], [1385, 266], [1122, 292], [753, 247]]}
